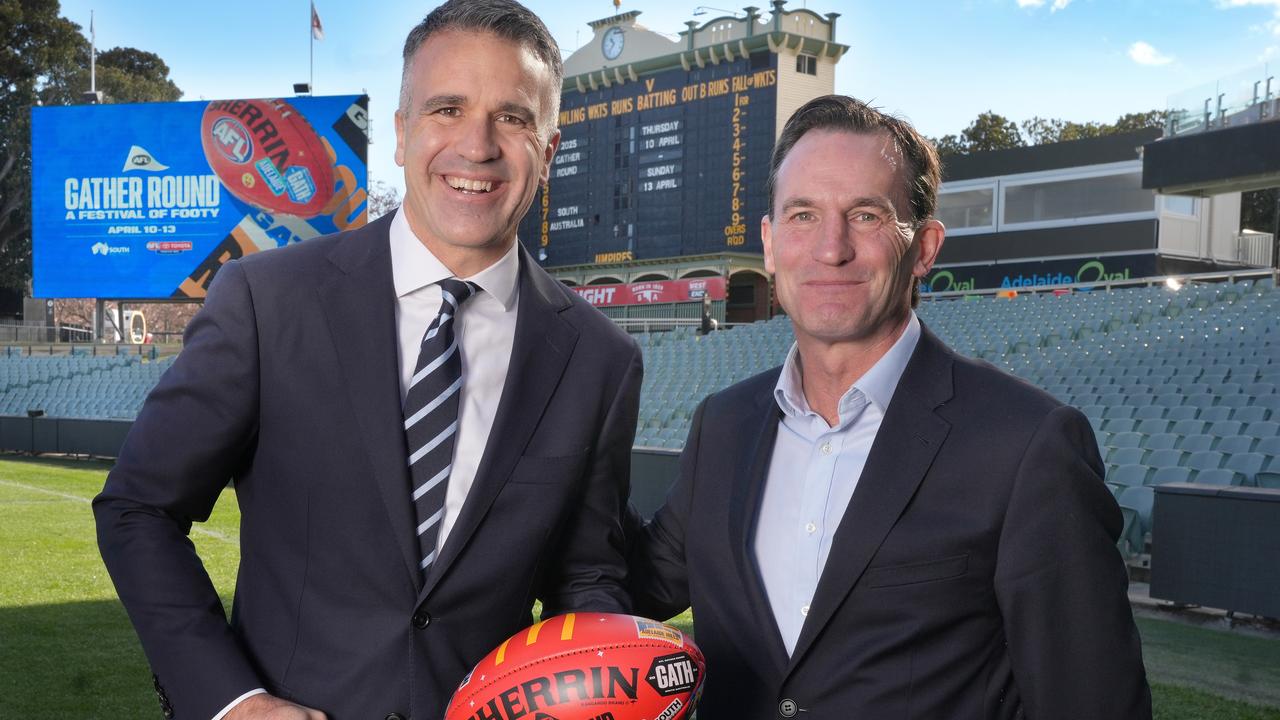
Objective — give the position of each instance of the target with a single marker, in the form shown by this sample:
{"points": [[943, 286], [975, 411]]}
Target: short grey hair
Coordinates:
{"points": [[507, 19]]}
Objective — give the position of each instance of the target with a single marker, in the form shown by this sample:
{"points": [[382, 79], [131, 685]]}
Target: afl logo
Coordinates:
{"points": [[232, 140]]}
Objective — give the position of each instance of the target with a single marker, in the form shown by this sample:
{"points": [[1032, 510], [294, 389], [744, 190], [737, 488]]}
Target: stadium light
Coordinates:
{"points": [[1173, 283]]}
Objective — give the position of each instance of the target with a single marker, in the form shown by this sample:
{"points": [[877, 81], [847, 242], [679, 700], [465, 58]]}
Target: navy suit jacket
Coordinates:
{"points": [[289, 384], [974, 574]]}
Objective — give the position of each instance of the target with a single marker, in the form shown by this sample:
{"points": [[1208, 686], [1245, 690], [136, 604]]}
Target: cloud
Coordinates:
{"points": [[1144, 54], [1055, 6], [1273, 25]]}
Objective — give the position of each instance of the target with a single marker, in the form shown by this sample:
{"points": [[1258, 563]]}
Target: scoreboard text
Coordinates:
{"points": [[672, 165]]}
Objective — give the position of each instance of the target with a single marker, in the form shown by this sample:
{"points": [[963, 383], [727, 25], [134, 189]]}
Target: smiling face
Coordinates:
{"points": [[843, 259], [475, 138]]}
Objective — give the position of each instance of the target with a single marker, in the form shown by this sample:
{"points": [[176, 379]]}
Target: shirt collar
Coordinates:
{"points": [[877, 385], [414, 267]]}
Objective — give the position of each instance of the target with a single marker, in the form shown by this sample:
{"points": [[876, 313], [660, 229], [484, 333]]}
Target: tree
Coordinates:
{"points": [[383, 198], [1258, 210], [44, 60], [990, 131]]}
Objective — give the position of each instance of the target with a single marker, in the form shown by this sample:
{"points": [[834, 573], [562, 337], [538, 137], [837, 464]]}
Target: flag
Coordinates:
{"points": [[317, 30]]}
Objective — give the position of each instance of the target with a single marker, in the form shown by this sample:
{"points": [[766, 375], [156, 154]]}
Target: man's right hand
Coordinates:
{"points": [[270, 707]]}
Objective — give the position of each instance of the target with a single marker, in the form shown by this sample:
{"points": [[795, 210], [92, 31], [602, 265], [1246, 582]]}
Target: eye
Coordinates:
{"points": [[865, 217], [509, 119], [449, 112], [804, 216]]}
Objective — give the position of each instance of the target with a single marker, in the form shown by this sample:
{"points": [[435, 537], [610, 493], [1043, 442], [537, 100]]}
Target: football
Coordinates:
{"points": [[267, 155], [585, 666]]}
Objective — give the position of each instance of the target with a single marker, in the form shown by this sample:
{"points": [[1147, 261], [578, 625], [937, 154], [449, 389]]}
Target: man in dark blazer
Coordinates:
{"points": [[882, 528], [291, 384]]}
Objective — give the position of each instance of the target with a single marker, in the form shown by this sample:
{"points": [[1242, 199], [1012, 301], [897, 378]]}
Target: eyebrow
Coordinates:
{"points": [[436, 102], [881, 203]]}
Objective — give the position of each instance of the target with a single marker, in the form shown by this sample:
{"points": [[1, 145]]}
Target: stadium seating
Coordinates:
{"points": [[1175, 383], [1178, 385]]}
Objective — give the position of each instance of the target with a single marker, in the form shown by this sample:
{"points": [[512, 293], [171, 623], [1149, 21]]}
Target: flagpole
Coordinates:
{"points": [[93, 56]]}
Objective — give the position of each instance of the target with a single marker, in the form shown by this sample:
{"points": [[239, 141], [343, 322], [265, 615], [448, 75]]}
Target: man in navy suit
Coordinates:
{"points": [[881, 528], [294, 383]]}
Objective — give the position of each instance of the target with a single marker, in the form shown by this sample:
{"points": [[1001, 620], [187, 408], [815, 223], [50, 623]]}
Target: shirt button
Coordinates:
{"points": [[805, 611], [810, 528], [826, 448]]}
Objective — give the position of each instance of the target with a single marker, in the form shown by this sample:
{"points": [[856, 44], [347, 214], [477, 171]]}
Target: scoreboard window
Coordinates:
{"points": [[807, 64], [672, 164]]}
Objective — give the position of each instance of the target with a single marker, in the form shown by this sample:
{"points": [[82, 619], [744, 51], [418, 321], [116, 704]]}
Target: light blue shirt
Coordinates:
{"points": [[812, 475]]}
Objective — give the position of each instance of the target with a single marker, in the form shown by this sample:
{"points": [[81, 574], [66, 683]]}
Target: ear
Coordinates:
{"points": [[766, 238], [929, 240], [400, 129], [549, 153]]}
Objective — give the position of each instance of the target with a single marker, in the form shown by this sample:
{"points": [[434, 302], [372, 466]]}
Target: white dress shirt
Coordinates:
{"points": [[812, 475], [486, 328]]}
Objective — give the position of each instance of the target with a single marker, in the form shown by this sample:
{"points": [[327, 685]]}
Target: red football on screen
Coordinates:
{"points": [[267, 155], [585, 666]]}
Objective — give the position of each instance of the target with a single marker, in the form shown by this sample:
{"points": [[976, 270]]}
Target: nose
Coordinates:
{"points": [[478, 142], [835, 243]]}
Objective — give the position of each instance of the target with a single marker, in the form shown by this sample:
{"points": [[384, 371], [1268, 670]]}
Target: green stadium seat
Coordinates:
{"points": [[1204, 460], [1165, 475], [1150, 412], [1154, 426], [1165, 458], [1226, 428], [1251, 414], [1125, 455], [1235, 444], [1129, 474], [1218, 476], [1268, 480], [1248, 464], [1182, 412], [1162, 441], [1189, 427], [1127, 440], [1141, 500], [1119, 425], [1264, 429]]}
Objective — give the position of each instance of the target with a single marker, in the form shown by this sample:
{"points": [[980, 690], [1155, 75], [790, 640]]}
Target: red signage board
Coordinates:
{"points": [[649, 293]]}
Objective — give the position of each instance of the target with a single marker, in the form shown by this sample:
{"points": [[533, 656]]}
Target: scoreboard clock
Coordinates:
{"points": [[612, 42], [673, 164]]}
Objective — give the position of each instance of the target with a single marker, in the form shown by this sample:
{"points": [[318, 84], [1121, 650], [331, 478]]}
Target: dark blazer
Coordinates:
{"points": [[974, 575], [289, 384]]}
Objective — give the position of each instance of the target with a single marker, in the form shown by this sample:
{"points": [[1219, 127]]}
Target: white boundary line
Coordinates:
{"points": [[77, 498]]}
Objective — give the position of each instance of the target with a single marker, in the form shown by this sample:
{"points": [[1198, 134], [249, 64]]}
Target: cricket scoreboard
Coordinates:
{"points": [[671, 164]]}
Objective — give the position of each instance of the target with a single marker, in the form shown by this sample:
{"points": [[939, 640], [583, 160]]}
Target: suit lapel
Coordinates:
{"points": [[753, 467], [540, 352], [905, 446], [359, 304]]}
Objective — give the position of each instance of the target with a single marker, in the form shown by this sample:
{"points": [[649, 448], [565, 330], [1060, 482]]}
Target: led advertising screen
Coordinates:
{"points": [[667, 165], [147, 201]]}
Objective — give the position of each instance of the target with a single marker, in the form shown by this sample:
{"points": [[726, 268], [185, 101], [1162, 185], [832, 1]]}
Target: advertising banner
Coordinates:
{"points": [[1031, 274], [649, 293], [147, 201]]}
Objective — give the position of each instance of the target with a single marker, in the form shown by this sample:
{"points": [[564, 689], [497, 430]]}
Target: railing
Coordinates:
{"points": [[27, 334], [1256, 249]]}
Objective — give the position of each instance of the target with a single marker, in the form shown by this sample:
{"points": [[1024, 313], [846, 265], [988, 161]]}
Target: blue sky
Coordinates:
{"points": [[938, 63]]}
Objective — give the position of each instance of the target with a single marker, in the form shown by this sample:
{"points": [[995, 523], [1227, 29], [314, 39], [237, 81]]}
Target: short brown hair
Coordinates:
{"points": [[841, 112]]}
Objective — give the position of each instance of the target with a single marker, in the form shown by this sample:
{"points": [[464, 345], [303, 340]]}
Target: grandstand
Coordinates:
{"points": [[76, 386], [1180, 383]]}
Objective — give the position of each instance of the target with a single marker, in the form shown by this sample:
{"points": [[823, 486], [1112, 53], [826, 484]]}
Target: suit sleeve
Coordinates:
{"points": [[195, 430], [659, 578], [1062, 586], [591, 564]]}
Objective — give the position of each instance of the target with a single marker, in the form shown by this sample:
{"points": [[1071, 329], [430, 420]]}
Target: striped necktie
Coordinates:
{"points": [[431, 416]]}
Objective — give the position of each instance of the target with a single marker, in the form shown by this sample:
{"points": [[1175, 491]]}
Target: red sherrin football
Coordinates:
{"points": [[267, 155], [585, 666]]}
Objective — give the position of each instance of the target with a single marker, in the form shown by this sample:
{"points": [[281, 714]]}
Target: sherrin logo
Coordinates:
{"points": [[232, 141]]}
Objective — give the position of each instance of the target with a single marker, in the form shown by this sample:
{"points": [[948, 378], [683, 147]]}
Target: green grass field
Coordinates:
{"points": [[67, 650]]}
